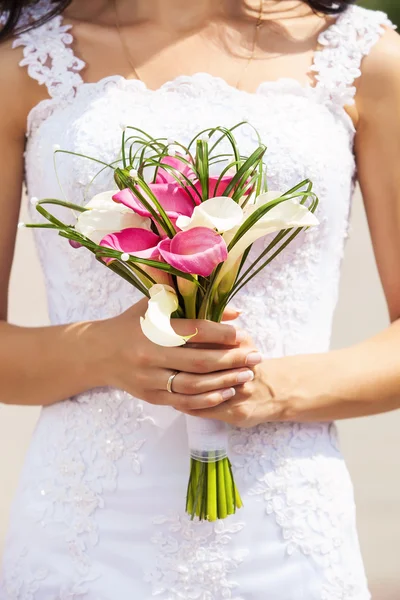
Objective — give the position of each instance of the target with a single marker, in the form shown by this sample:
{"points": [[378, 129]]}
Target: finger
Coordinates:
{"points": [[186, 403], [190, 384], [193, 360], [230, 313], [209, 332], [223, 411]]}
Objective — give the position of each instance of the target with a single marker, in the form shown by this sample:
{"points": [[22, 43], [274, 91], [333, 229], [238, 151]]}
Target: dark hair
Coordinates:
{"points": [[12, 9]]}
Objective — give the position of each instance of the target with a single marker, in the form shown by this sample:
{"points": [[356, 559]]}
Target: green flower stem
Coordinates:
{"points": [[144, 277], [167, 224], [227, 135], [63, 204], [274, 242], [204, 490], [270, 259], [190, 492], [198, 480], [188, 291], [40, 226], [229, 489], [121, 270], [190, 305], [218, 310], [180, 178], [238, 500], [212, 506], [221, 492], [124, 180], [202, 167], [260, 212], [212, 493], [245, 169]]}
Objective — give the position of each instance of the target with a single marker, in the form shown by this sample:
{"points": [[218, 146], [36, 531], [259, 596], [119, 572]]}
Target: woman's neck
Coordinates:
{"points": [[181, 15]]}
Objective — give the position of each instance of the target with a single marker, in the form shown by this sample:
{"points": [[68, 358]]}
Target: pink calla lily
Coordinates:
{"points": [[180, 167], [172, 197], [217, 187], [197, 251], [139, 243]]}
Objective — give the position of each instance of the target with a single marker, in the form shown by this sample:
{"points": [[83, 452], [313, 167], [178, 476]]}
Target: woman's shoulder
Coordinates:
{"points": [[15, 102], [22, 91], [381, 67], [11, 75], [40, 54]]}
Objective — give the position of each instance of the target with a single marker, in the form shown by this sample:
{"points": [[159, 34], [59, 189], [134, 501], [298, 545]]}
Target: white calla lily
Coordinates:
{"points": [[104, 216], [220, 213], [286, 215], [250, 207], [156, 324]]}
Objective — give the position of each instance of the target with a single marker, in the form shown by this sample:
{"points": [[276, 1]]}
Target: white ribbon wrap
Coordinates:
{"points": [[208, 439]]}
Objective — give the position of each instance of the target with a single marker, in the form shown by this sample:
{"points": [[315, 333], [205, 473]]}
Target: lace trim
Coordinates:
{"points": [[79, 467], [47, 54], [302, 485], [337, 65], [345, 43], [192, 561]]}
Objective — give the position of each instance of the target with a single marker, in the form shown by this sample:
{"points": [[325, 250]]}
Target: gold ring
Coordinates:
{"points": [[171, 381]]}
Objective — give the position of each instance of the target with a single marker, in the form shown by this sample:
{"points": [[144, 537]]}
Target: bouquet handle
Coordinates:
{"points": [[212, 493]]}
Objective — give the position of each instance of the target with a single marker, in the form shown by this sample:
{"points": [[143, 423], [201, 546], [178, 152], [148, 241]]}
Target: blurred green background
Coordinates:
{"points": [[391, 7]]}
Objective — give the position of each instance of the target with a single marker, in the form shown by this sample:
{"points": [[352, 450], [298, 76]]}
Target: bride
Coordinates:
{"points": [[99, 512]]}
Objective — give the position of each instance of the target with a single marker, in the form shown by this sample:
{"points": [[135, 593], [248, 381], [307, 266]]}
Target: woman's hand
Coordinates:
{"points": [[254, 403], [353, 382], [219, 359], [292, 388]]}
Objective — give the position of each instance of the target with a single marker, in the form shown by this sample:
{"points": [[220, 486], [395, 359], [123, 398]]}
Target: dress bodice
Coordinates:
{"points": [[289, 306]]}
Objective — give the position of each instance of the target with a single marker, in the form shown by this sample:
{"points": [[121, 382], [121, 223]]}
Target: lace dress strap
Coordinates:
{"points": [[47, 52], [343, 46]]}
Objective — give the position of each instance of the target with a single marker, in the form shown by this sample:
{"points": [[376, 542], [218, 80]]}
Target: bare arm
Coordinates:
{"points": [[365, 378], [30, 358]]}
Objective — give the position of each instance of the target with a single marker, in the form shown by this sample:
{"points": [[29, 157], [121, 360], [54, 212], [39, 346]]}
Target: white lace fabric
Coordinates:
{"points": [[101, 498]]}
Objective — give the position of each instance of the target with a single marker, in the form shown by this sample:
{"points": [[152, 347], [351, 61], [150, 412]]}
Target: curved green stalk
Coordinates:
{"points": [[178, 178], [245, 168], [124, 180], [55, 202], [270, 259], [203, 168]]}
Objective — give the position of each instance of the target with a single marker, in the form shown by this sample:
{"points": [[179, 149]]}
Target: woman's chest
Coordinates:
{"points": [[304, 139]]}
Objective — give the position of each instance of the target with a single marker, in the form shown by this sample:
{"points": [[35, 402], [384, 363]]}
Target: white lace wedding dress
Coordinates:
{"points": [[99, 513]]}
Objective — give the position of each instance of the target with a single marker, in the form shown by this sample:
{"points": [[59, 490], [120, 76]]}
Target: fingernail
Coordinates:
{"points": [[241, 336], [253, 359], [245, 376], [238, 310], [226, 394]]}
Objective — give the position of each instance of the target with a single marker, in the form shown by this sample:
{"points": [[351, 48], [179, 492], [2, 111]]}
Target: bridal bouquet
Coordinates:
{"points": [[179, 228]]}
